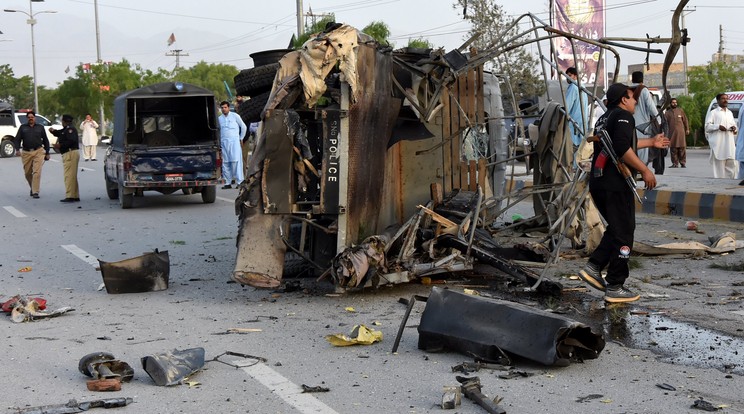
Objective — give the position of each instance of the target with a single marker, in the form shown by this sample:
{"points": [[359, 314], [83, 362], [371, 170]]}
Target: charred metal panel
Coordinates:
{"points": [[371, 121], [146, 273], [278, 171], [483, 327], [329, 186]]}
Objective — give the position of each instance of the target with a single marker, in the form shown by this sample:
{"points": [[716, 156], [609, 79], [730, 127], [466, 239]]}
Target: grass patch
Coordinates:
{"points": [[177, 242], [733, 267]]}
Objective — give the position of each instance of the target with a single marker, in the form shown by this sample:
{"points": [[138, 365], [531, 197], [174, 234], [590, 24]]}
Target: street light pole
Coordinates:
{"points": [[102, 122], [31, 21]]}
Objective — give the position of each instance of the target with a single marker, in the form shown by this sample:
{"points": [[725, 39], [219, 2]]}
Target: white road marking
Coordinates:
{"points": [[229, 200], [741, 312], [52, 160], [81, 254], [289, 392], [14, 211]]}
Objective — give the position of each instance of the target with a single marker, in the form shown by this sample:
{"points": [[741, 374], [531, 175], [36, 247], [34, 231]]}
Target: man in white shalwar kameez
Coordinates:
{"points": [[720, 128], [232, 132]]}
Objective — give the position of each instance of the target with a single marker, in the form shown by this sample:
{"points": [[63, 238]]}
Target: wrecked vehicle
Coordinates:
{"points": [[166, 138], [375, 166]]}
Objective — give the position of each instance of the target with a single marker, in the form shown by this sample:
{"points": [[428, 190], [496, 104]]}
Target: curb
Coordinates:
{"points": [[725, 207]]}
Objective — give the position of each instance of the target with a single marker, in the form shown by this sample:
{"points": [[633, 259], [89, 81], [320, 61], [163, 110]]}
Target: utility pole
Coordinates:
{"points": [[177, 53], [684, 49], [720, 41], [101, 115], [300, 25]]}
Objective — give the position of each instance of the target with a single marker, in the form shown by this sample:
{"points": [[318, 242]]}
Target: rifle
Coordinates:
{"points": [[608, 152]]}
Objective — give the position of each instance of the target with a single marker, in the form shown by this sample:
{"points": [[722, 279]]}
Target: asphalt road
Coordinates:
{"points": [[60, 243]]}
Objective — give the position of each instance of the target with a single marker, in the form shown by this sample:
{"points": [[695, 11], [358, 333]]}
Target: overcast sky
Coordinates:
{"points": [[229, 30]]}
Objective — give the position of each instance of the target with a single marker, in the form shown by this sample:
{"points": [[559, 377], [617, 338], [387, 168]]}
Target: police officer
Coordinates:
{"points": [[67, 141], [614, 197], [32, 138]]}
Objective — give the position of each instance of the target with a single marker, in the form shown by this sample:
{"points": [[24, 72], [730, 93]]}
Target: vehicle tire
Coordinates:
{"points": [[125, 200], [209, 194], [250, 110], [254, 81], [112, 190], [7, 149], [294, 265], [188, 190]]}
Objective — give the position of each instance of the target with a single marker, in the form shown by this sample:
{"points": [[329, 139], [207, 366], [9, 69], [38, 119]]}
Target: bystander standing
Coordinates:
{"points": [[720, 128], [679, 128]]}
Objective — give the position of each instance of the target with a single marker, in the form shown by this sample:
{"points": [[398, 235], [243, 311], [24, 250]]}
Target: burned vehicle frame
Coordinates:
{"points": [[375, 166]]}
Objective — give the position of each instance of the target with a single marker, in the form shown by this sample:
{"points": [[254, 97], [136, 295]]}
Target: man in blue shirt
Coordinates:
{"points": [[232, 132], [575, 105]]}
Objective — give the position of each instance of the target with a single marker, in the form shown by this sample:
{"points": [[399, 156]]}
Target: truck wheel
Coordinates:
{"points": [[112, 190], [209, 194], [250, 110], [253, 81], [125, 200], [294, 265], [7, 149]]}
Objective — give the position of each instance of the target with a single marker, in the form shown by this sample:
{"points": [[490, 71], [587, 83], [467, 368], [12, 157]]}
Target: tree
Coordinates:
{"points": [[209, 75], [379, 31], [488, 18], [704, 83], [315, 28], [18, 92], [419, 43]]}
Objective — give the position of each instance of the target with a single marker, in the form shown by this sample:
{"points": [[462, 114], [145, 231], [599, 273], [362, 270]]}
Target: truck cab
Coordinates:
{"points": [[166, 138]]}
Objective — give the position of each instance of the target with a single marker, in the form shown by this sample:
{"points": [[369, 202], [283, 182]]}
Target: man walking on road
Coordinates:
{"points": [[720, 129], [232, 132], [32, 138], [679, 128], [614, 197], [67, 142]]}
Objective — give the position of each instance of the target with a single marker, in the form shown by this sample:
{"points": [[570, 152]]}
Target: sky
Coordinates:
{"points": [[230, 30]]}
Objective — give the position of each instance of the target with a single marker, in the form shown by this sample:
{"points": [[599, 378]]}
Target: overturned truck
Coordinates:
{"points": [[360, 153], [375, 166]]}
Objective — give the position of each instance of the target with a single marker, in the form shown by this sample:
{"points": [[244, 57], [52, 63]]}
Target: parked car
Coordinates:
{"points": [[11, 120], [166, 138]]}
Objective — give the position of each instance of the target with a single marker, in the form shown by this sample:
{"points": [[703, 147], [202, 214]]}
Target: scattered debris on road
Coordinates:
{"points": [[173, 367], [487, 329], [73, 406], [360, 335], [146, 273], [107, 372]]}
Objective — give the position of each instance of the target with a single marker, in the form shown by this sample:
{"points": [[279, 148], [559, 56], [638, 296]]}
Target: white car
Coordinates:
{"points": [[9, 124]]}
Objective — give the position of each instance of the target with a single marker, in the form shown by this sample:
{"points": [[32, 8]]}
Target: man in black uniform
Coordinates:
{"points": [[67, 140], [32, 138], [614, 197]]}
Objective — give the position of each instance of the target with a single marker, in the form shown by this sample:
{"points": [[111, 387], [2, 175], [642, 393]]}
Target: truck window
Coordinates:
{"points": [[157, 123]]}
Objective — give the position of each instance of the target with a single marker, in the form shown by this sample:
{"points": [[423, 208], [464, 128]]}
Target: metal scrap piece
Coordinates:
{"points": [[477, 326], [73, 406], [471, 387]]}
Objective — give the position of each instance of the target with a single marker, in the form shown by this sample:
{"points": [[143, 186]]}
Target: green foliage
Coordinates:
{"points": [[489, 18], [705, 82], [209, 76], [313, 30], [18, 92], [419, 43], [379, 31]]}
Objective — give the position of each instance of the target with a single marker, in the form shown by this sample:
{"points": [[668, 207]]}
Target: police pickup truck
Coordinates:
{"points": [[166, 138]]}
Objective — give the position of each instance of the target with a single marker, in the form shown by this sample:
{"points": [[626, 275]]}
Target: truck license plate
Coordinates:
{"points": [[173, 177]]}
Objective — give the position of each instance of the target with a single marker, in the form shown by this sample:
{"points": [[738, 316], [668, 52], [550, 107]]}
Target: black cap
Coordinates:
{"points": [[616, 92], [67, 118]]}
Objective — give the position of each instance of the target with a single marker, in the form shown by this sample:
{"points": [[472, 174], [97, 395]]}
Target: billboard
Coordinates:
{"points": [[585, 18]]}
